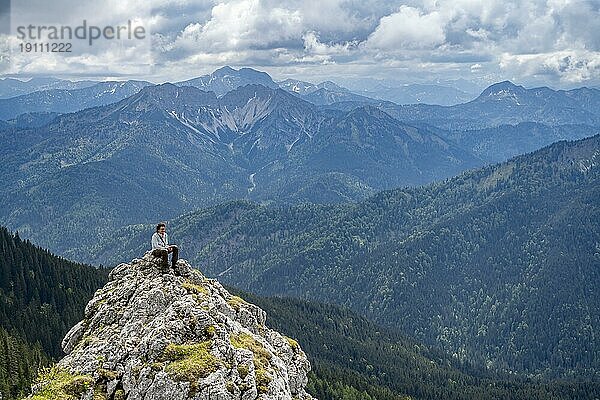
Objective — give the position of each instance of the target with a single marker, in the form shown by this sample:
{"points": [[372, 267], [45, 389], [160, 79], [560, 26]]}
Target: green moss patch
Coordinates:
{"points": [[107, 375], [261, 359], [243, 371], [195, 289], [230, 387], [235, 302], [60, 384], [100, 392], [263, 378], [190, 362], [293, 344], [210, 330]]}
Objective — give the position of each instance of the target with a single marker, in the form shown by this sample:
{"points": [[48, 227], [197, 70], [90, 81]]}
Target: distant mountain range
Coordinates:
{"points": [[10, 87], [440, 92], [324, 93], [500, 104], [226, 79], [60, 96], [497, 265], [505, 103], [502, 142], [178, 148], [68, 100], [314, 191], [418, 94]]}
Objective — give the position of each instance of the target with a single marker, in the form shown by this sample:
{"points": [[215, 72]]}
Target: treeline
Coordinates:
{"points": [[19, 363], [353, 358], [41, 297]]}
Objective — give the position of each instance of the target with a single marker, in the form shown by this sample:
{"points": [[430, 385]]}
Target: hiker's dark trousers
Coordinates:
{"points": [[164, 254]]}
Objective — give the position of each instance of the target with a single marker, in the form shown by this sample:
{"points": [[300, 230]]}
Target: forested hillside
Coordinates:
{"points": [[355, 359], [41, 297], [497, 265], [19, 363]]}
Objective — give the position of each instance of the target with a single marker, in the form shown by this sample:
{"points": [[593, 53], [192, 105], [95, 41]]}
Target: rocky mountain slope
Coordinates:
{"points": [[157, 333]]}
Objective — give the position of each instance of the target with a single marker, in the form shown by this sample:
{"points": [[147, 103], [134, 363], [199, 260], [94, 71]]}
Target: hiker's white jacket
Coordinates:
{"points": [[160, 241]]}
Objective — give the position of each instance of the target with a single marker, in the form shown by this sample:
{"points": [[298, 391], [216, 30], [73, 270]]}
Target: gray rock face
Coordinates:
{"points": [[154, 333]]}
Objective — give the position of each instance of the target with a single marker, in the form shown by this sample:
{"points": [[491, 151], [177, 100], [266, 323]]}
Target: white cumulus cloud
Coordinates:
{"points": [[408, 28]]}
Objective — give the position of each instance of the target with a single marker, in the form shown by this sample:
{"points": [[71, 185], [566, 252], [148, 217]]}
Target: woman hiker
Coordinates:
{"points": [[161, 247]]}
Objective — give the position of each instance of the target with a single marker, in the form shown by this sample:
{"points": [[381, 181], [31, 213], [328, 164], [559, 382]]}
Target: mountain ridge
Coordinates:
{"points": [[507, 103], [69, 100], [196, 148], [11, 87], [225, 79]]}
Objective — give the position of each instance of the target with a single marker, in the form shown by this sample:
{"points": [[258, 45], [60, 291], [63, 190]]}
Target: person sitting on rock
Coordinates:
{"points": [[161, 247]]}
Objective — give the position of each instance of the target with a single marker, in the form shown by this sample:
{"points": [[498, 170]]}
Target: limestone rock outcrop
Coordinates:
{"points": [[154, 333]]}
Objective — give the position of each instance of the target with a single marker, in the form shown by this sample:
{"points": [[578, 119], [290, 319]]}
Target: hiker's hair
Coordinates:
{"points": [[160, 225]]}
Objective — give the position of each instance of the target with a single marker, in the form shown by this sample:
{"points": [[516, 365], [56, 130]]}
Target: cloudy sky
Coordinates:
{"points": [[545, 42]]}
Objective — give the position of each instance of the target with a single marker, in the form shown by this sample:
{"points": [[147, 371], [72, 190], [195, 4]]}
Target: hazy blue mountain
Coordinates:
{"points": [[303, 87], [497, 265], [419, 93], [174, 149], [30, 120], [505, 141], [506, 103], [464, 85], [10, 87], [69, 100], [324, 96], [374, 92], [297, 86], [324, 93], [440, 93], [226, 79]]}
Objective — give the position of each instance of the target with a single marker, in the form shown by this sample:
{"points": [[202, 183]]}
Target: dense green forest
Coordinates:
{"points": [[19, 363], [41, 297], [353, 358], [498, 266]]}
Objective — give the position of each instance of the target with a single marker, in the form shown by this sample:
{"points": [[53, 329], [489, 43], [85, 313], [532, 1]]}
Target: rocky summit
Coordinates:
{"points": [[153, 332]]}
